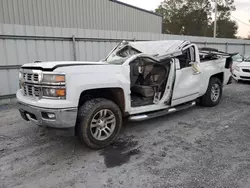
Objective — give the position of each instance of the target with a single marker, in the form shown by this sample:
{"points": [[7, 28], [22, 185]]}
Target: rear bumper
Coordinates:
{"points": [[61, 118]]}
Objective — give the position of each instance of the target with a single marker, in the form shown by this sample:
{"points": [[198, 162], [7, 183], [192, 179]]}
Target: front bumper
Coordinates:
{"points": [[240, 75], [63, 118]]}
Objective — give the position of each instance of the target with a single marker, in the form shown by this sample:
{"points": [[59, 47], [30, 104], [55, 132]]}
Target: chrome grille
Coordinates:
{"points": [[30, 83], [32, 91], [35, 77], [30, 77]]}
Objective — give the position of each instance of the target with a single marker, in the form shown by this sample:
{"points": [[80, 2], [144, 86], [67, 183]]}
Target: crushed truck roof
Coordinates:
{"points": [[159, 48]]}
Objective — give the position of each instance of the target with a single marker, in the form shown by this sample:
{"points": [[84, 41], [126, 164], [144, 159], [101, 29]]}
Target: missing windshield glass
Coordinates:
{"points": [[121, 54]]}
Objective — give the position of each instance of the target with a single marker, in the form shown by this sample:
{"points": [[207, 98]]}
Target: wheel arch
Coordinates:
{"points": [[114, 94], [204, 87], [220, 76], [206, 100]]}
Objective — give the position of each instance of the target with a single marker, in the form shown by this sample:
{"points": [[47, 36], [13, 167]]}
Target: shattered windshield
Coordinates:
{"points": [[237, 58], [121, 54]]}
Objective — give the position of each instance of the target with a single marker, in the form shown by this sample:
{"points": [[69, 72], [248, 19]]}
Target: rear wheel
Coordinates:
{"points": [[99, 122], [213, 94]]}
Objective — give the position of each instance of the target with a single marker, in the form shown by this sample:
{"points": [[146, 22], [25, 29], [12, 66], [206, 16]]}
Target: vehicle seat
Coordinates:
{"points": [[143, 90], [134, 73], [147, 86]]}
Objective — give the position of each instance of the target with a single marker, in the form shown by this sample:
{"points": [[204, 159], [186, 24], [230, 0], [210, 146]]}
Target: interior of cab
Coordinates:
{"points": [[148, 80]]}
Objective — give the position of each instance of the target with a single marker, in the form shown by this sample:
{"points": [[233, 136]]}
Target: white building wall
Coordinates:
{"points": [[85, 14]]}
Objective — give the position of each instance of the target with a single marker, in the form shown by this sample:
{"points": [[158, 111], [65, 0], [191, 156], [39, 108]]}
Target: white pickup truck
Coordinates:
{"points": [[137, 80]]}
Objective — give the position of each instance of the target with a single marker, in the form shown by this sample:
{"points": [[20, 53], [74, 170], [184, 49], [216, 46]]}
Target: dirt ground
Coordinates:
{"points": [[198, 147]]}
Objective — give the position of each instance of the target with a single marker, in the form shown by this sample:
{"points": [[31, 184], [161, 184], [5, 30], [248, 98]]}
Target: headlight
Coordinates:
{"points": [[54, 92], [53, 78], [237, 68]]}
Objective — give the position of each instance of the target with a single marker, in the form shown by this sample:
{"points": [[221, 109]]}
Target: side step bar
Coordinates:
{"points": [[154, 114]]}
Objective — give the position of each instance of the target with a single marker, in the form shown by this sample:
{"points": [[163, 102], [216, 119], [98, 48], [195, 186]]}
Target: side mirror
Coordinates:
{"points": [[195, 67]]}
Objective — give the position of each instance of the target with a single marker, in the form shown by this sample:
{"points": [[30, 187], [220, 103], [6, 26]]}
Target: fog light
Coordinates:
{"points": [[48, 115], [51, 115]]}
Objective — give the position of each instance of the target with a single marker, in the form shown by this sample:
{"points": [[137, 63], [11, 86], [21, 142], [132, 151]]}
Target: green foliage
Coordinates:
{"points": [[194, 17]]}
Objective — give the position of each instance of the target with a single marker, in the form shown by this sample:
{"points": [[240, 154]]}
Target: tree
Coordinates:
{"points": [[185, 17], [226, 28], [193, 17]]}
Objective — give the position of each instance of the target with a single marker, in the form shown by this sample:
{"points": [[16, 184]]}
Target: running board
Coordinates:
{"points": [[154, 114]]}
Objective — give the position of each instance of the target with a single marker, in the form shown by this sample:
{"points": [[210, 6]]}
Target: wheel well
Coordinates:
{"points": [[114, 94], [219, 76]]}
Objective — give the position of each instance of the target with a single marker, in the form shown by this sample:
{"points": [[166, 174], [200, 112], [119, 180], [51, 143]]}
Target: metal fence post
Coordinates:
{"points": [[205, 43], [74, 47], [244, 50], [227, 47]]}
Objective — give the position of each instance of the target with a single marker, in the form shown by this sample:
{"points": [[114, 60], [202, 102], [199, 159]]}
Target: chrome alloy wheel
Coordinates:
{"points": [[103, 124], [215, 92]]}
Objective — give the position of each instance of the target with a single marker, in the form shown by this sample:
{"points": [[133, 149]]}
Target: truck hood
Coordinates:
{"points": [[52, 65]]}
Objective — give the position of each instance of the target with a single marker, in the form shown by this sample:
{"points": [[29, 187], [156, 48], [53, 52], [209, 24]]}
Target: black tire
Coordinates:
{"points": [[206, 100], [85, 115]]}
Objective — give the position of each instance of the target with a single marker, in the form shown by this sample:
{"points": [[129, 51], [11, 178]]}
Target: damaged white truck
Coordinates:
{"points": [[137, 80]]}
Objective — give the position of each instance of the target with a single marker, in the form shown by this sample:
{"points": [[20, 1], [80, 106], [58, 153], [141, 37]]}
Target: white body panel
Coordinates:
{"points": [[187, 86], [210, 68]]}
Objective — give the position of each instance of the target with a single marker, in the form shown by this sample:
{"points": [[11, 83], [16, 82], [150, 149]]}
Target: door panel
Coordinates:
{"points": [[187, 83], [186, 86]]}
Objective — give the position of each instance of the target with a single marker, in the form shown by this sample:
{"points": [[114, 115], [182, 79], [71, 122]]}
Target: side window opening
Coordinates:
{"points": [[184, 59], [187, 57]]}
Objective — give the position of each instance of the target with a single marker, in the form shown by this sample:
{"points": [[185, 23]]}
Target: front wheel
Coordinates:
{"points": [[213, 94], [99, 122]]}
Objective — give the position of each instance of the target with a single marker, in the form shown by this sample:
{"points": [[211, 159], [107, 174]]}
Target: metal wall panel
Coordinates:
{"points": [[236, 48], [4, 87], [87, 14], [247, 51], [56, 44]]}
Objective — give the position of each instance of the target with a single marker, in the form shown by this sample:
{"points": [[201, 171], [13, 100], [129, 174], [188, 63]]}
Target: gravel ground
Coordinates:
{"points": [[197, 147]]}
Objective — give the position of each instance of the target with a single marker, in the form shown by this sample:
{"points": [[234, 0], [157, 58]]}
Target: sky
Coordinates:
{"points": [[242, 12]]}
